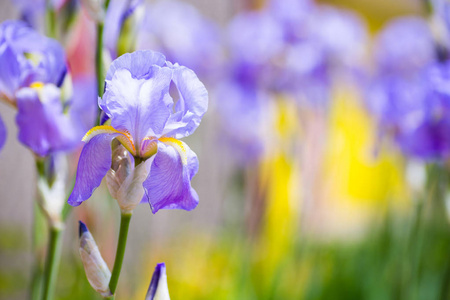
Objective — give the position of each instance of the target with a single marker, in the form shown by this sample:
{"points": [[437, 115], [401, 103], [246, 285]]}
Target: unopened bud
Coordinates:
{"points": [[52, 192], [158, 289], [125, 181], [97, 271]]}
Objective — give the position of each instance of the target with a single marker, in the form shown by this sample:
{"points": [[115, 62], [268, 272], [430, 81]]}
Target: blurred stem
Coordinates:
{"points": [[121, 244], [430, 215], [38, 245], [436, 186], [99, 64], [50, 19], [52, 262]]}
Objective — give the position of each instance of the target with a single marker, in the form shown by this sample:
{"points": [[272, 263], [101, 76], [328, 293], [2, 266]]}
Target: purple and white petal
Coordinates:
{"points": [[139, 106], [140, 64], [43, 125], [191, 106], [94, 163], [9, 72], [168, 185]]}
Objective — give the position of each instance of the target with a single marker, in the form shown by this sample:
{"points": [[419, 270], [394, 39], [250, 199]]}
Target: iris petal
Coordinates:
{"points": [[9, 72], [94, 163], [43, 125], [191, 106], [168, 185], [140, 63], [139, 106]]}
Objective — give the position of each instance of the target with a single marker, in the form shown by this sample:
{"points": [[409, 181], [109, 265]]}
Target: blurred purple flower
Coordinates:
{"points": [[32, 10], [404, 47], [246, 117], [33, 78], [256, 41], [117, 14], [179, 31], [147, 122], [410, 96], [332, 45], [28, 57], [292, 15]]}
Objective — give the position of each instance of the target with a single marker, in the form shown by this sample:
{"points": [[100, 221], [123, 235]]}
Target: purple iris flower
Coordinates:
{"points": [[33, 79], [409, 95], [28, 57], [145, 119]]}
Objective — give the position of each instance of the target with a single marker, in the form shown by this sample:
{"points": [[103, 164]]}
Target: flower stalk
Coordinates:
{"points": [[99, 66], [52, 262], [120, 252]]}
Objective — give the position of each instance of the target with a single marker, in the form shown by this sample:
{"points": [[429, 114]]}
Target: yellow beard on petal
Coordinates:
{"points": [[125, 138], [178, 145]]}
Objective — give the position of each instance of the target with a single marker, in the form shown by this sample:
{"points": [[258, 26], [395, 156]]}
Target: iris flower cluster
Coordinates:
{"points": [[409, 95]]}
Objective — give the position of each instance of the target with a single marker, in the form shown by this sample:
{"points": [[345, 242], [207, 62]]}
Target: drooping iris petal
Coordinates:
{"points": [[94, 163], [191, 106], [168, 185], [43, 125], [139, 106], [2, 133], [9, 71], [139, 63]]}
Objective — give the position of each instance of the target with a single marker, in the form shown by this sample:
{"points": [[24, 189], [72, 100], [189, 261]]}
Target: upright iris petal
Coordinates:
{"points": [[146, 120]]}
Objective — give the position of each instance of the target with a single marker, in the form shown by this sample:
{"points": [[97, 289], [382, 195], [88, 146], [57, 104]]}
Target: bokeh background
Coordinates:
{"points": [[298, 199]]}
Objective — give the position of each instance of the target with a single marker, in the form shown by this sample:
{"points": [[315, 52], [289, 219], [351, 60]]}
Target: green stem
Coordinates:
{"points": [[52, 263], [50, 19], [99, 65], [121, 244], [38, 246], [99, 68]]}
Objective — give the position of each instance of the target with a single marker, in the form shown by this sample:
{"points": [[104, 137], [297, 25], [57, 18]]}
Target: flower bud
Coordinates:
{"points": [[124, 181], [97, 271], [158, 289], [51, 188]]}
